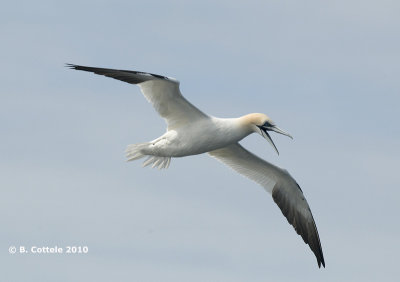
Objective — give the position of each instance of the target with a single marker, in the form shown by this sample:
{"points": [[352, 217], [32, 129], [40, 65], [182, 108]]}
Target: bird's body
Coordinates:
{"points": [[201, 136], [192, 132]]}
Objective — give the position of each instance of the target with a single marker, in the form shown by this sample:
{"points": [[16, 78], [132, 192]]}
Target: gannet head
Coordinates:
{"points": [[261, 124]]}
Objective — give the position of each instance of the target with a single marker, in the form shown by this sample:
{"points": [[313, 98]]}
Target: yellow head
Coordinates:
{"points": [[261, 123]]}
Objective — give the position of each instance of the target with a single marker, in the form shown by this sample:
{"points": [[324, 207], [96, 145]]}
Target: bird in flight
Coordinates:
{"points": [[192, 132]]}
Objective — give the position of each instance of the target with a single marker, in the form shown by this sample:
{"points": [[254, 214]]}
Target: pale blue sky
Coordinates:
{"points": [[327, 72]]}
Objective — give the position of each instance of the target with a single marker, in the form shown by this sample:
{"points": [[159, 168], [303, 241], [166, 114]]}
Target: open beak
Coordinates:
{"points": [[264, 132]]}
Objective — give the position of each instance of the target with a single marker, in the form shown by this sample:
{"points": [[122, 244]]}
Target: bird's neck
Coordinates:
{"points": [[234, 127]]}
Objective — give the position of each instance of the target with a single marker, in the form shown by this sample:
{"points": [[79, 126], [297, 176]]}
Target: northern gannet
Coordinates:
{"points": [[191, 132]]}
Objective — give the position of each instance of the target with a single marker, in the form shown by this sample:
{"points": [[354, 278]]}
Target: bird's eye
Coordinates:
{"points": [[267, 124]]}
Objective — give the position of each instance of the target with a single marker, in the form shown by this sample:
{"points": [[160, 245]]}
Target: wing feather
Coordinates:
{"points": [[161, 91], [284, 189]]}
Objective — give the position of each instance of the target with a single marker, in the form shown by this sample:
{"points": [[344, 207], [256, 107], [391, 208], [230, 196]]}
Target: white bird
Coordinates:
{"points": [[191, 132]]}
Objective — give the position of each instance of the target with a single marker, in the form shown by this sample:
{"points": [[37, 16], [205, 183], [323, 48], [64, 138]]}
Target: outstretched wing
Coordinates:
{"points": [[161, 91], [284, 189]]}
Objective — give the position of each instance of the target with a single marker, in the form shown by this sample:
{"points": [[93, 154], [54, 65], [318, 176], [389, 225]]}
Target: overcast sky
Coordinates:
{"points": [[325, 71]]}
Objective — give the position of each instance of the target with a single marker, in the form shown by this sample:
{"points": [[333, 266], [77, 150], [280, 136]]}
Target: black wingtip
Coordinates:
{"points": [[320, 260], [319, 255], [78, 67], [71, 66]]}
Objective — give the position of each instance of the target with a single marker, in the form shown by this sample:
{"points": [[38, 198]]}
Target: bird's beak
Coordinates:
{"points": [[264, 132]]}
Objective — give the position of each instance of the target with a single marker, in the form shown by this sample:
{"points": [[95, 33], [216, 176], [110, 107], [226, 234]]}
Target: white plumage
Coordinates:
{"points": [[191, 132]]}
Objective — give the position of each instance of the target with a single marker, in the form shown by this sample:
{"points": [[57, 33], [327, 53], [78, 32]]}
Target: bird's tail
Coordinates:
{"points": [[135, 152]]}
